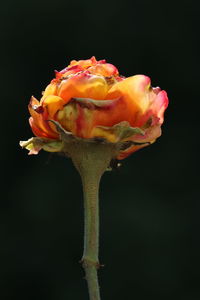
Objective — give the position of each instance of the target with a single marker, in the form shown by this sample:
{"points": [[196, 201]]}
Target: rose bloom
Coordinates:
{"points": [[89, 98]]}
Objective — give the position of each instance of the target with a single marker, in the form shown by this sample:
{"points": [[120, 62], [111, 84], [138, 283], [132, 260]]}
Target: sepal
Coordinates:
{"points": [[35, 144], [122, 131]]}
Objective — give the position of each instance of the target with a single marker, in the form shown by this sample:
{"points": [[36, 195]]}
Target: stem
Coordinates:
{"points": [[91, 234], [91, 160]]}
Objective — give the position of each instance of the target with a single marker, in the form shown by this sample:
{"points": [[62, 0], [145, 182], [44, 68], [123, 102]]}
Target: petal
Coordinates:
{"points": [[52, 105], [104, 70], [151, 134], [36, 130], [135, 92], [68, 71], [51, 89], [142, 102], [80, 115], [84, 63], [129, 151], [84, 116], [38, 121], [83, 85], [159, 105], [158, 102]]}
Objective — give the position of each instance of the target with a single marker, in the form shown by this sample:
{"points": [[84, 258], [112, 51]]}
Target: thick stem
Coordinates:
{"points": [[91, 160]]}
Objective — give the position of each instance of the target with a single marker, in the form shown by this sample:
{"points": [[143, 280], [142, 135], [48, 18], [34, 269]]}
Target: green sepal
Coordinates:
{"points": [[123, 130]]}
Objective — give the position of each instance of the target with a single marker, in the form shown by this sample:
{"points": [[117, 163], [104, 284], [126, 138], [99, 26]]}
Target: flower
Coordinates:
{"points": [[89, 99]]}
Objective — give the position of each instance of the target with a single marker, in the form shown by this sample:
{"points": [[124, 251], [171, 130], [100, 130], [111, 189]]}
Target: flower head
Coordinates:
{"points": [[89, 99]]}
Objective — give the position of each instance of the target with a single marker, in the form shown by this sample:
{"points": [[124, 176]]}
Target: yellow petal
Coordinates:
{"points": [[83, 86], [52, 104], [135, 91], [51, 89]]}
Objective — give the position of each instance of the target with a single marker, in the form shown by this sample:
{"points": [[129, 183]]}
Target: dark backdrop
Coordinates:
{"points": [[150, 207]]}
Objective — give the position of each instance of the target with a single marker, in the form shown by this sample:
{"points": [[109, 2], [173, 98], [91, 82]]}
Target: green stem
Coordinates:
{"points": [[91, 160], [91, 234]]}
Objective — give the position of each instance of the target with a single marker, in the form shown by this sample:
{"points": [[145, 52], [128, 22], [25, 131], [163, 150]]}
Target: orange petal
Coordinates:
{"points": [[51, 89], [68, 71], [80, 115], [39, 132], [38, 121], [52, 105], [84, 63], [135, 91], [35, 129], [83, 86], [103, 70], [141, 100]]}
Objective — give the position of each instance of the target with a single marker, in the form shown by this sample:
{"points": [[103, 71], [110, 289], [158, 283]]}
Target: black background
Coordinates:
{"points": [[150, 207]]}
